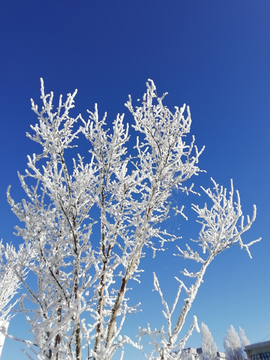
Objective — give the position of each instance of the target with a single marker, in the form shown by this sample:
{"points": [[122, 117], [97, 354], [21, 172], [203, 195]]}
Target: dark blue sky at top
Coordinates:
{"points": [[212, 55]]}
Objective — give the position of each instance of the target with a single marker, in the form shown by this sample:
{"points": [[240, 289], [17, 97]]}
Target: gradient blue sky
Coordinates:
{"points": [[212, 55]]}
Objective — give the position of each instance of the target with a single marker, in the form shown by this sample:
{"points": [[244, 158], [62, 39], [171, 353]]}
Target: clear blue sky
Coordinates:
{"points": [[212, 55]]}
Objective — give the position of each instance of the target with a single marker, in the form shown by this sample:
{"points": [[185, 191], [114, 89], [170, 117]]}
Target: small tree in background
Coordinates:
{"points": [[209, 348], [87, 225], [244, 339], [232, 345]]}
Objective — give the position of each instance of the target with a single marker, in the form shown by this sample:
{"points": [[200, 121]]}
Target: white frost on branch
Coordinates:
{"points": [[87, 222], [9, 282], [222, 226]]}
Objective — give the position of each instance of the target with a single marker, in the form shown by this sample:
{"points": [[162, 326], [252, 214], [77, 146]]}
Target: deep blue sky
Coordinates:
{"points": [[212, 55]]}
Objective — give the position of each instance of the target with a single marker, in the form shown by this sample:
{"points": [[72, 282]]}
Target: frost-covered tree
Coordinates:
{"points": [[232, 345], [88, 221], [209, 348], [9, 282], [244, 339], [9, 285]]}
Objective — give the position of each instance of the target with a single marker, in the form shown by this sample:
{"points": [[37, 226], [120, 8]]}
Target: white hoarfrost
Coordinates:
{"points": [[87, 222], [209, 348], [244, 339], [9, 282], [232, 345], [9, 285]]}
